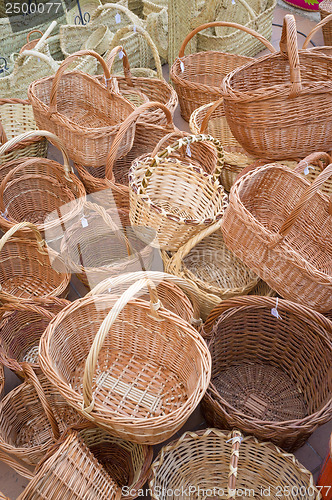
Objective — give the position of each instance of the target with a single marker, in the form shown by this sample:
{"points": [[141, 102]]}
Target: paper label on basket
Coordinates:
{"points": [[182, 66], [121, 54], [307, 169], [188, 150], [274, 310], [117, 18], [84, 222], [134, 28], [233, 2]]}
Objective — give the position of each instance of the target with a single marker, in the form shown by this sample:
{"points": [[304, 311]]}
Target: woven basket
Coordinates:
{"points": [[16, 117], [214, 464], [155, 6], [29, 268], [280, 394], [312, 166], [325, 9], [139, 380], [175, 199], [73, 106], [73, 37], [31, 44], [279, 226], [197, 77], [84, 11], [206, 262], [266, 92], [99, 40], [21, 327], [32, 418]]}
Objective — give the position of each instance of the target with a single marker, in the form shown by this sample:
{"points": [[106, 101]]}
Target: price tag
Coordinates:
{"points": [[188, 150], [84, 222], [182, 66], [121, 54], [117, 18]]}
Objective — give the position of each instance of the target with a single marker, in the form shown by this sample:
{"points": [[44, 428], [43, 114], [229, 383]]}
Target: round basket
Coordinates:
{"points": [[140, 380], [214, 464], [175, 199], [29, 268], [21, 327], [262, 382]]}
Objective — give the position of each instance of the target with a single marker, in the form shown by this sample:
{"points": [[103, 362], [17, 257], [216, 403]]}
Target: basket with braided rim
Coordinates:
{"points": [[216, 464], [139, 380], [197, 77], [175, 198], [84, 114], [262, 382]]}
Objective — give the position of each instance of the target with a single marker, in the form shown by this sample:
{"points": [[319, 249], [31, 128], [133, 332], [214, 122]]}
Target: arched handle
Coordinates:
{"points": [[126, 67], [34, 53], [34, 31], [3, 136], [185, 141], [114, 6], [22, 225], [176, 134], [15, 465], [91, 361], [61, 70], [314, 158], [126, 124], [227, 24], [208, 12], [233, 465], [138, 29], [288, 47], [318, 26], [212, 108]]}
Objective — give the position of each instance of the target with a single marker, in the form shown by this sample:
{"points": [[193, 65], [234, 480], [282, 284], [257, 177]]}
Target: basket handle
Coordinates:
{"points": [[29, 372], [138, 29], [33, 52], [234, 459], [175, 134], [34, 31], [185, 141], [21, 225], [154, 276], [61, 70], [15, 465], [125, 62], [208, 114], [91, 361], [314, 158], [210, 9], [126, 124], [314, 30], [230, 25], [3, 136], [288, 47]]}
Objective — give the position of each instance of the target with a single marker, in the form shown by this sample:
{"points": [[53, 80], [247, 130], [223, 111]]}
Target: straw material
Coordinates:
{"points": [[262, 382], [157, 27], [325, 9], [279, 226], [180, 22], [21, 327], [99, 40], [73, 106], [87, 9], [214, 464], [260, 98], [175, 198], [139, 380], [29, 268], [72, 38]]}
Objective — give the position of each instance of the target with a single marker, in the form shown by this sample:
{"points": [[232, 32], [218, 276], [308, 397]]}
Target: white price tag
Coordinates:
{"points": [[84, 222]]}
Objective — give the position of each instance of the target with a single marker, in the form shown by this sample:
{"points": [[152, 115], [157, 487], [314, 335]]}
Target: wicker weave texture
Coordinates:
{"points": [[325, 9]]}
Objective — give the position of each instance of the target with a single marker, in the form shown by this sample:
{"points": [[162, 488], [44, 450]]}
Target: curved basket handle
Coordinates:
{"points": [[208, 114], [41, 395], [230, 25], [176, 134], [138, 29], [34, 31], [233, 465], [154, 276], [314, 30], [61, 70], [209, 11], [15, 465], [3, 136], [185, 141], [288, 47], [91, 361], [314, 158], [126, 124], [125, 62], [18, 227], [32, 52], [113, 6]]}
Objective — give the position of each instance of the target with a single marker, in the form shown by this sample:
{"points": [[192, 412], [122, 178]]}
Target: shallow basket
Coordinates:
{"points": [[217, 464], [138, 380], [280, 394]]}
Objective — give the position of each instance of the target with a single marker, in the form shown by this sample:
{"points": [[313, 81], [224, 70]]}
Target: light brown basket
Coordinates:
{"points": [[279, 225], [265, 93], [29, 268], [31, 43], [217, 464], [73, 106], [261, 382], [21, 327], [175, 199], [138, 380], [99, 40], [325, 9], [197, 77]]}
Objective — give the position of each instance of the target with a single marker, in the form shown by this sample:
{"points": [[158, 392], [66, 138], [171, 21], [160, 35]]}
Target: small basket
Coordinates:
{"points": [[29, 268], [82, 113], [175, 199], [31, 44], [139, 380], [214, 464], [261, 382], [325, 9]]}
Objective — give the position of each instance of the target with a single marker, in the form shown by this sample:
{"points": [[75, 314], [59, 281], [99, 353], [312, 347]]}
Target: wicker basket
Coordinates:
{"points": [[175, 199], [2, 380], [312, 166], [197, 77], [214, 464], [73, 106], [139, 380], [29, 268], [266, 92], [325, 9], [261, 382], [84, 11], [21, 327], [279, 225], [31, 44], [99, 40]]}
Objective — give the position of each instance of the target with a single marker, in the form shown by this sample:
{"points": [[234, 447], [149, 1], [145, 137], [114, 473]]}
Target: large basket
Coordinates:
{"points": [[279, 225], [28, 267], [197, 77], [261, 382], [84, 114], [214, 464], [260, 97], [325, 9], [140, 380], [175, 198]]}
